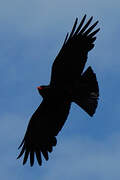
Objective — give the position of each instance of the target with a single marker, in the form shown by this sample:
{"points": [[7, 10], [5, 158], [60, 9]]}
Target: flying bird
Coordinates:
{"points": [[68, 83]]}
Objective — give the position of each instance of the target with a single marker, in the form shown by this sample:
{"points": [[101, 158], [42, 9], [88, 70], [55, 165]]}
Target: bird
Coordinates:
{"points": [[69, 83]]}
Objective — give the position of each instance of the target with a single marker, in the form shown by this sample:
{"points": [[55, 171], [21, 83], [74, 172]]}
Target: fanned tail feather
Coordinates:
{"points": [[87, 92]]}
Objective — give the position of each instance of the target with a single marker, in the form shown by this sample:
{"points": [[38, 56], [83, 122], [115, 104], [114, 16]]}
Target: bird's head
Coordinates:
{"points": [[43, 90]]}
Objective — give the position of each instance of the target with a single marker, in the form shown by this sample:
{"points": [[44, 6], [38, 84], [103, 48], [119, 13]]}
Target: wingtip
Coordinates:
{"points": [[91, 18], [97, 22], [21, 144], [89, 21], [84, 17], [94, 33], [25, 157], [17, 157], [39, 159], [31, 164], [98, 29], [76, 20]]}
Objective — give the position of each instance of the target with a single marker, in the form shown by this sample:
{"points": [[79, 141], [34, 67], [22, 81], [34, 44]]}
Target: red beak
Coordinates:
{"points": [[39, 88]]}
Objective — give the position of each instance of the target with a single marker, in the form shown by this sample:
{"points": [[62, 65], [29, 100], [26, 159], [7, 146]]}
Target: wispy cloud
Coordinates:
{"points": [[85, 158], [74, 157], [31, 35]]}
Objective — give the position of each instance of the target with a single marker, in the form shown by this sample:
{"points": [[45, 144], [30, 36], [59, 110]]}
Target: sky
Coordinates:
{"points": [[31, 35]]}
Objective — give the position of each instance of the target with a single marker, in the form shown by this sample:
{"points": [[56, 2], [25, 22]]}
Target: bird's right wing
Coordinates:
{"points": [[70, 61]]}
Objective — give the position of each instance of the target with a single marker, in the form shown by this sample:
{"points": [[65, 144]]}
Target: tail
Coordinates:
{"points": [[86, 92]]}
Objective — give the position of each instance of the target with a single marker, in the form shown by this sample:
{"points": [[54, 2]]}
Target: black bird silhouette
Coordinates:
{"points": [[68, 84]]}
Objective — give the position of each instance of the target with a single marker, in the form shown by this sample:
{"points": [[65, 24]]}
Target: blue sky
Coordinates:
{"points": [[31, 35]]}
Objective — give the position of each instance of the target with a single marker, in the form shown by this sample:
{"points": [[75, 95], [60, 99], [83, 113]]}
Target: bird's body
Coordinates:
{"points": [[68, 84]]}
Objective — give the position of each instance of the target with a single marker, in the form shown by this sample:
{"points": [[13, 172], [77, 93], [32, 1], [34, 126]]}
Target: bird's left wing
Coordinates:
{"points": [[44, 125], [70, 61]]}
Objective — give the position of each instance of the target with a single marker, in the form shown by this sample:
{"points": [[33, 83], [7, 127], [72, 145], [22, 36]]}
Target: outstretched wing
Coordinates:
{"points": [[72, 57], [42, 130]]}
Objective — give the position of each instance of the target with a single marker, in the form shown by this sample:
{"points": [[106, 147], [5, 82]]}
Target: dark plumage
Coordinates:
{"points": [[68, 84]]}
